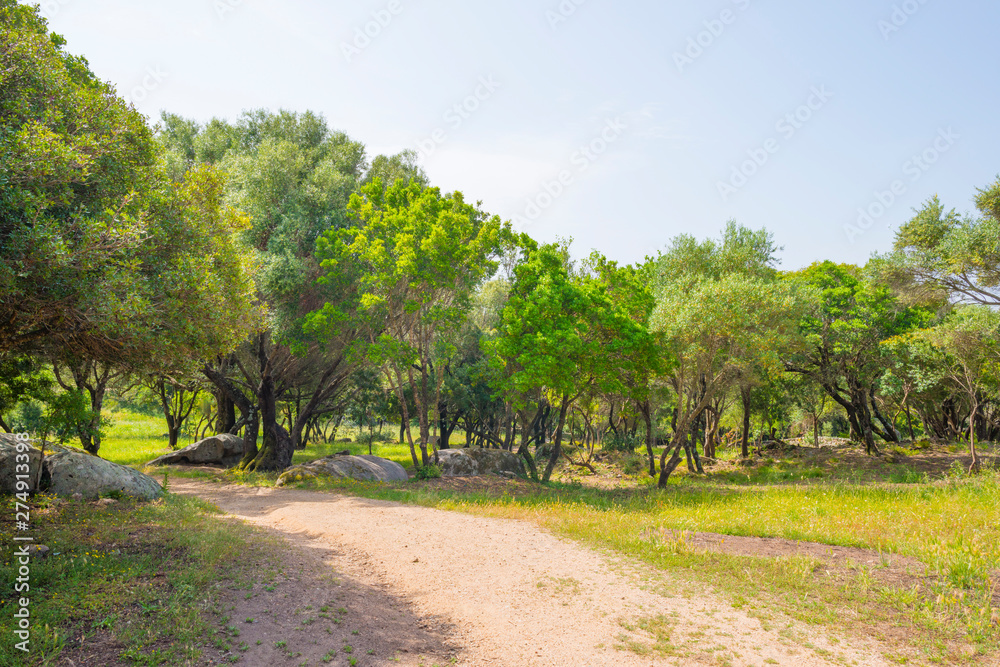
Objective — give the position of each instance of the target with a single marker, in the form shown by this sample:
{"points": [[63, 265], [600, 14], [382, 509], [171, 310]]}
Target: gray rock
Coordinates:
{"points": [[475, 462], [363, 468], [71, 472], [8, 463], [39, 551], [224, 449]]}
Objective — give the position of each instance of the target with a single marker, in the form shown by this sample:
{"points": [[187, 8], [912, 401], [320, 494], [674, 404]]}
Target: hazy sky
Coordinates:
{"points": [[620, 124]]}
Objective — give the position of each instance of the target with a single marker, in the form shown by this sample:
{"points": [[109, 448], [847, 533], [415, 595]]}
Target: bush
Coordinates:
{"points": [[430, 471], [617, 442], [28, 418], [634, 464]]}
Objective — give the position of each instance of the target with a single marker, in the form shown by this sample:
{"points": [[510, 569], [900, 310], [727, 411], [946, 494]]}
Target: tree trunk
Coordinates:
{"points": [[227, 413], [745, 440], [250, 437], [276, 449], [646, 409], [976, 464], [90, 435], [667, 468], [557, 440]]}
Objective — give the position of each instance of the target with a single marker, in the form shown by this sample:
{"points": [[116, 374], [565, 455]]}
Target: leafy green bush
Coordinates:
{"points": [[620, 442], [28, 418], [429, 471]]}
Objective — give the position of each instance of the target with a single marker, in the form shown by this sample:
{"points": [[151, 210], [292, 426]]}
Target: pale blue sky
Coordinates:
{"points": [[666, 122]]}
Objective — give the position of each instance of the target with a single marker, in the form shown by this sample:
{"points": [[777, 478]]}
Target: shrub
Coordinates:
{"points": [[618, 442], [430, 471], [634, 464]]}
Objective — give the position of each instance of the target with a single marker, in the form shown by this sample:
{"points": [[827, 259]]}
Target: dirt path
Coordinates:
{"points": [[438, 587]]}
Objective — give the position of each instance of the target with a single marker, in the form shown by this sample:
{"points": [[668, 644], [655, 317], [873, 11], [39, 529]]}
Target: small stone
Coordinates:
{"points": [[38, 551], [104, 502], [77, 496]]}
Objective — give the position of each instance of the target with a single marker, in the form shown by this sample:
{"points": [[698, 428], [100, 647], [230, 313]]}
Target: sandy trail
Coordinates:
{"points": [[505, 593]]}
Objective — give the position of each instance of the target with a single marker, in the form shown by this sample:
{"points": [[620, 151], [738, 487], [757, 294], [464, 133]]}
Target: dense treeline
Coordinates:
{"points": [[265, 276]]}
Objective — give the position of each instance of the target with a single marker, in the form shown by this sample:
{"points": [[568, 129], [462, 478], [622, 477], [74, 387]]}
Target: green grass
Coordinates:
{"points": [[135, 439], [145, 574]]}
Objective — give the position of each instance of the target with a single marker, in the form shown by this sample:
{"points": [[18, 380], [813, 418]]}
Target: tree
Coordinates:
{"points": [[970, 339], [915, 380], [628, 288], [848, 319], [417, 257], [562, 335], [177, 400], [75, 156], [721, 312], [942, 254], [293, 176], [105, 262]]}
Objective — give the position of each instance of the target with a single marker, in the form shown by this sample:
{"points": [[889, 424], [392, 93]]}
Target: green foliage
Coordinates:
{"points": [[100, 254], [941, 254], [67, 416], [410, 270], [844, 331], [622, 442], [723, 316], [429, 471], [28, 417], [417, 257], [564, 333], [21, 379]]}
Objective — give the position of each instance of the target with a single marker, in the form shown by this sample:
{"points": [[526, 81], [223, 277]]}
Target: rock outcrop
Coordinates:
{"points": [[363, 468], [224, 449], [475, 462], [67, 471]]}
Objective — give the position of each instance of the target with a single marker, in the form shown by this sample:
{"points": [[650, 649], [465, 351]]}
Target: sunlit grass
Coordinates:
{"points": [[135, 439]]}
